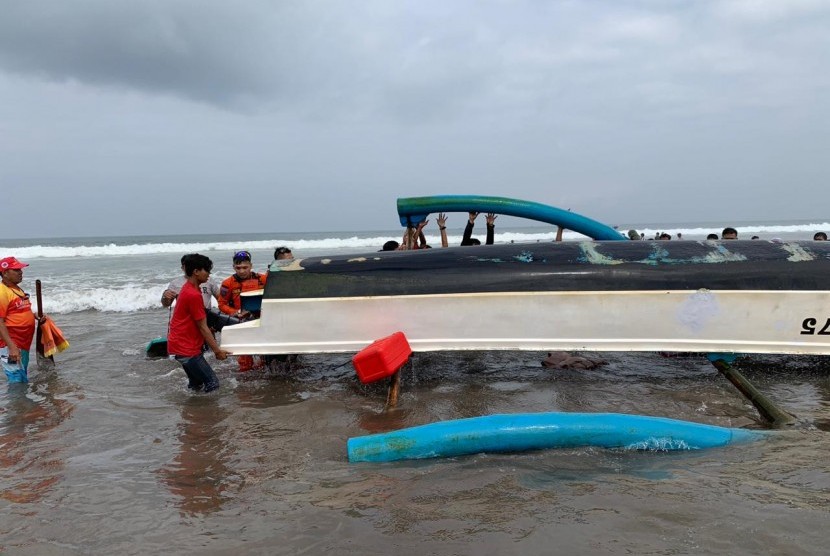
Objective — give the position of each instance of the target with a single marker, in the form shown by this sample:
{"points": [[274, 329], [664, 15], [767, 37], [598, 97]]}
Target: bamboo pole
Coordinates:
{"points": [[394, 390], [768, 410], [39, 297]]}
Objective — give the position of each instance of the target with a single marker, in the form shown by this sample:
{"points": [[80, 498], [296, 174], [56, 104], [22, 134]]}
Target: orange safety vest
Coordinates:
{"points": [[232, 287]]}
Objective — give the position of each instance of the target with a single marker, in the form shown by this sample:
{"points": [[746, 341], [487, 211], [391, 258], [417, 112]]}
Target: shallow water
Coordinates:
{"points": [[108, 453]]}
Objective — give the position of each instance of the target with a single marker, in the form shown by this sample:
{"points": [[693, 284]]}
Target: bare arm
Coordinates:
{"points": [[559, 233], [14, 351], [422, 239], [168, 297], [220, 353], [405, 239], [442, 227]]}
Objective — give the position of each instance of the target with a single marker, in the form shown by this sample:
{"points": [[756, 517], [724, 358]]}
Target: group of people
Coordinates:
{"points": [[727, 233], [414, 238], [193, 321]]}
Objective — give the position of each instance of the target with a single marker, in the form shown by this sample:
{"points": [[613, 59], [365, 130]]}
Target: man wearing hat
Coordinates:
{"points": [[17, 322]]}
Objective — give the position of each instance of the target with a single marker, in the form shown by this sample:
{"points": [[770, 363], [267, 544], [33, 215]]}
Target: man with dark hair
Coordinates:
{"points": [[189, 330], [283, 253], [209, 289], [244, 279], [215, 318], [820, 236], [729, 233], [711, 237], [282, 257]]}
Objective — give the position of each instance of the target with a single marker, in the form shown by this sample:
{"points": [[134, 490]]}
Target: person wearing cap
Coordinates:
{"points": [[17, 321], [244, 279]]}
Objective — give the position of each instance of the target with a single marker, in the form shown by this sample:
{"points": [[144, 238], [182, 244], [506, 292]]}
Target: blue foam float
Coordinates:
{"points": [[536, 431]]}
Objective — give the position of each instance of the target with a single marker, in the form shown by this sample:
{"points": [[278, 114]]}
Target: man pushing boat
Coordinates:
{"points": [[244, 279]]}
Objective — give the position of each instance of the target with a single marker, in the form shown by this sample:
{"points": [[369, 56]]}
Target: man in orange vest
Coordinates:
{"points": [[243, 279]]}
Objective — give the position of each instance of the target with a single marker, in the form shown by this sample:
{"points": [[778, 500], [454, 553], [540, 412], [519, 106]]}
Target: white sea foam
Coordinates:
{"points": [[371, 242], [113, 249], [118, 300]]}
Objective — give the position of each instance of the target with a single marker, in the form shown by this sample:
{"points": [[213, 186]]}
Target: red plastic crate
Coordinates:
{"points": [[382, 358]]}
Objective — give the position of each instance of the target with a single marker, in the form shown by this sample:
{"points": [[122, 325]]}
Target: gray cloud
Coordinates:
{"points": [[652, 105]]}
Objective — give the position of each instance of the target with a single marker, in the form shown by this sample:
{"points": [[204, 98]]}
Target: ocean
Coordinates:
{"points": [[107, 452]]}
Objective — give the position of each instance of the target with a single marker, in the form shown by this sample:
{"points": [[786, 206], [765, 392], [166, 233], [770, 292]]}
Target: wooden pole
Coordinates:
{"points": [[39, 297], [768, 410], [394, 389]]}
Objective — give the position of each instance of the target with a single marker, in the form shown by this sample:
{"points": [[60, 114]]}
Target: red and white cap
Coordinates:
{"points": [[10, 263]]}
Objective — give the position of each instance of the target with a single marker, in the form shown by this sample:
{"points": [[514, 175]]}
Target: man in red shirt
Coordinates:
{"points": [[17, 321], [189, 330]]}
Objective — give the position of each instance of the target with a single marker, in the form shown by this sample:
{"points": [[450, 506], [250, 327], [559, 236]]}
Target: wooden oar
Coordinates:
{"points": [[394, 389], [39, 296]]}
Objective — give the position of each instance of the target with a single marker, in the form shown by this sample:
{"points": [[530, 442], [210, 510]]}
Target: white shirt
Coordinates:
{"points": [[209, 289]]}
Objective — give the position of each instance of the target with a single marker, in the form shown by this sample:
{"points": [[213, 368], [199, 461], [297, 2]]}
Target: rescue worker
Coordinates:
{"points": [[17, 321], [244, 279]]}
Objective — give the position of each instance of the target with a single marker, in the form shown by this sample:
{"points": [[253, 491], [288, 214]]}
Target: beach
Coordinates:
{"points": [[107, 452]]}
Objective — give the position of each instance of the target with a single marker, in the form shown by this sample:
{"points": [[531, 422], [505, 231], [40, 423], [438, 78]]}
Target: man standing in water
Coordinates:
{"points": [[17, 321], [244, 279], [189, 330], [216, 320], [209, 289]]}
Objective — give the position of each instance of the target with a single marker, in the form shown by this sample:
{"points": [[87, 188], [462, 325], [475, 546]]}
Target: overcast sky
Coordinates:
{"points": [[193, 116]]}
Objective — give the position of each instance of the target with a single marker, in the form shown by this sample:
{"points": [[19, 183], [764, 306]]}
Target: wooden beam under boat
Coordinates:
{"points": [[734, 296]]}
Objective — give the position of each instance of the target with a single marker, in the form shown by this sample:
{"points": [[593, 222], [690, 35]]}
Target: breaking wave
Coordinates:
{"points": [[118, 300], [371, 241]]}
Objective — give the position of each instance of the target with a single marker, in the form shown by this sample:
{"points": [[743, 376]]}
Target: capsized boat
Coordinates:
{"points": [[601, 294]]}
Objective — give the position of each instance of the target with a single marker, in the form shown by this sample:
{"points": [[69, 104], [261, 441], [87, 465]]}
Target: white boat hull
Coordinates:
{"points": [[730, 321]]}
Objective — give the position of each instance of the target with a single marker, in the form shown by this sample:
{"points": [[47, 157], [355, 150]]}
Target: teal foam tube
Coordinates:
{"points": [[535, 431], [416, 209]]}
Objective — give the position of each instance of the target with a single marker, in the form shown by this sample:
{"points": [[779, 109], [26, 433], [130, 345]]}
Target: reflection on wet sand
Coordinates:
{"points": [[30, 454], [198, 475]]}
